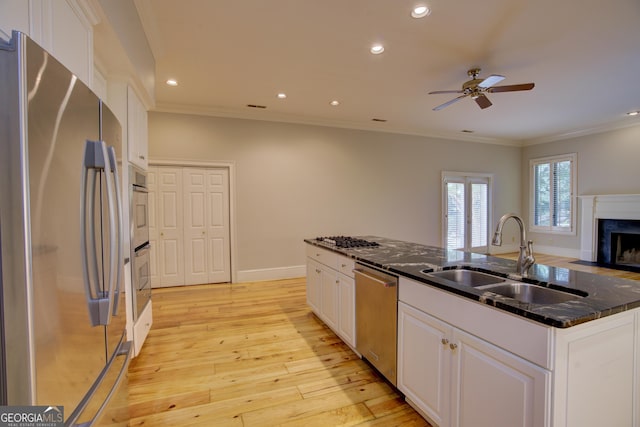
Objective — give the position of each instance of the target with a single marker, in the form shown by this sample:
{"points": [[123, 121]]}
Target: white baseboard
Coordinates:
{"points": [[277, 273]]}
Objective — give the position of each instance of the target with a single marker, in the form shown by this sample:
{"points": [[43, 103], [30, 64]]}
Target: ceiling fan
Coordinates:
{"points": [[476, 89]]}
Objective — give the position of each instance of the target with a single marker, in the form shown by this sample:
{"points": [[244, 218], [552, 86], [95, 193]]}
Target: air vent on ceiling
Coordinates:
{"points": [[256, 106], [466, 131], [379, 120]]}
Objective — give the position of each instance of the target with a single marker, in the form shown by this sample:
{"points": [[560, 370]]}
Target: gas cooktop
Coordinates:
{"points": [[347, 242]]}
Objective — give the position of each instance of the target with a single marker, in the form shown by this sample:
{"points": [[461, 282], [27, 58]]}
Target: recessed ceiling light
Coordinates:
{"points": [[377, 49], [335, 103], [282, 95], [420, 11], [633, 113], [172, 82]]}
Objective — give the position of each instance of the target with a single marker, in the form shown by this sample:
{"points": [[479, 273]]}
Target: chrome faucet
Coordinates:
{"points": [[525, 259]]}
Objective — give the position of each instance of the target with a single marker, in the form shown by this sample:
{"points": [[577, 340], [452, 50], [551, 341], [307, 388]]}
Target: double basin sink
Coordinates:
{"points": [[523, 292]]}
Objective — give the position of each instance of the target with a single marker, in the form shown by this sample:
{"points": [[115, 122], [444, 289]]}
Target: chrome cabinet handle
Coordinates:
{"points": [[445, 341], [453, 346]]}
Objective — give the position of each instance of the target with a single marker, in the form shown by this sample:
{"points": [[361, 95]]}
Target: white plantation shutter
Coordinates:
{"points": [[553, 188], [456, 215], [479, 214], [466, 211]]}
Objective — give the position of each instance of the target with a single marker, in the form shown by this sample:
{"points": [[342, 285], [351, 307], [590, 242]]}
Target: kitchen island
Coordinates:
{"points": [[468, 356]]}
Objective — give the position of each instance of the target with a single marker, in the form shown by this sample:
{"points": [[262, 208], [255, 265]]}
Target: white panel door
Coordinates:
{"points": [[171, 226], [218, 230], [195, 226], [152, 187]]}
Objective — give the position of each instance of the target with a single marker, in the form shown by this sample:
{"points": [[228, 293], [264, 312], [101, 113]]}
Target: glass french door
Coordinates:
{"points": [[466, 212]]}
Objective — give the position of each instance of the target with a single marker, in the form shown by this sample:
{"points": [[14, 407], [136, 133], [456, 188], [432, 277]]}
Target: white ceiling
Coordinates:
{"points": [[583, 55]]}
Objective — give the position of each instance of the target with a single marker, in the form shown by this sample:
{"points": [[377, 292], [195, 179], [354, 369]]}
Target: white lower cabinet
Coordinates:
{"points": [[331, 291], [456, 379], [314, 277]]}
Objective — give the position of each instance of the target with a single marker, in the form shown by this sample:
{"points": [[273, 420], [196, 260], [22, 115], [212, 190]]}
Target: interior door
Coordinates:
{"points": [[170, 227], [195, 226], [202, 211], [218, 230]]}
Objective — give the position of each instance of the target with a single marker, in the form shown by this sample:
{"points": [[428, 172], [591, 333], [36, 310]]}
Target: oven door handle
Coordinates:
{"points": [[385, 283]]}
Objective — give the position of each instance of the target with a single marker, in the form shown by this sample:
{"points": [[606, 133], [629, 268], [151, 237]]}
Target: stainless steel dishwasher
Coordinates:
{"points": [[377, 318]]}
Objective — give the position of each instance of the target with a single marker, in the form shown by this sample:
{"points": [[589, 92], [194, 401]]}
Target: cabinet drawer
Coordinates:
{"points": [[323, 256], [345, 265]]}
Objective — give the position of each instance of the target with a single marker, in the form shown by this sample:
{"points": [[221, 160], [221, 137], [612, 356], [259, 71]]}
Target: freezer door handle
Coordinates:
{"points": [[124, 350], [95, 161], [119, 260]]}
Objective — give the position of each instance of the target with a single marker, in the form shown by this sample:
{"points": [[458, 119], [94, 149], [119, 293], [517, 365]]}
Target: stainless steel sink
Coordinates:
{"points": [[533, 294], [524, 292], [467, 277]]}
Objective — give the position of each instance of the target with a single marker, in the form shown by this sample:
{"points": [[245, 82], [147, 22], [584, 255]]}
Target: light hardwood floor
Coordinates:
{"points": [[253, 354]]}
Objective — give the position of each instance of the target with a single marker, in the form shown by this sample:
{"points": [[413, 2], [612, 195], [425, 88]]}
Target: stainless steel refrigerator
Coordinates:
{"points": [[63, 311]]}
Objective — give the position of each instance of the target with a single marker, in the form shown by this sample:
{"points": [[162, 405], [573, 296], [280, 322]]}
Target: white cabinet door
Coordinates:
{"points": [[424, 360], [492, 387], [459, 380], [137, 132], [329, 286], [218, 230], [170, 227], [347, 306], [314, 275]]}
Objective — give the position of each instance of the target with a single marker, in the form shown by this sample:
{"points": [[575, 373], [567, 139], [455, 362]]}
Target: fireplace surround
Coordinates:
{"points": [[610, 230]]}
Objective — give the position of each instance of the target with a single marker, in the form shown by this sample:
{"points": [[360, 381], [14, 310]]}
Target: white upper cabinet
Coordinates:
{"points": [[137, 133], [63, 28]]}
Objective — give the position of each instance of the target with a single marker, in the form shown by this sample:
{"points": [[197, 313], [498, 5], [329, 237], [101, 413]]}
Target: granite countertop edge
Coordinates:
{"points": [[606, 295]]}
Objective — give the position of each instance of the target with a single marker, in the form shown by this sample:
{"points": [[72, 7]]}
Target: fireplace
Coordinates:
{"points": [[610, 230], [619, 243]]}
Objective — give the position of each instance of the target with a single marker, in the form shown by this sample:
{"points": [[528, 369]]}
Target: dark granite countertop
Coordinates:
{"points": [[606, 295]]}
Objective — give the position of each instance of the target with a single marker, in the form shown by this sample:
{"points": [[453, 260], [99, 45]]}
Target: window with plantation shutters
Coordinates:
{"points": [[466, 211], [553, 194]]}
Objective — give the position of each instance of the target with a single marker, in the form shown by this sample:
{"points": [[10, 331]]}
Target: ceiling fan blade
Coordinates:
{"points": [[491, 80], [444, 91], [446, 104], [483, 101], [511, 88]]}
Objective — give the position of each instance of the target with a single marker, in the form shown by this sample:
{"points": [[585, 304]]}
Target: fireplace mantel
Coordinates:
{"points": [[605, 206]]}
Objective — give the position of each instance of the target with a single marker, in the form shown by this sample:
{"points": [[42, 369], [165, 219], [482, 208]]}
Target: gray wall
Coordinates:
{"points": [[608, 163], [297, 181]]}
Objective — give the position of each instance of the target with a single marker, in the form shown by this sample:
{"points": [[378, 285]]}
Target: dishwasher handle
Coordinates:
{"points": [[385, 283]]}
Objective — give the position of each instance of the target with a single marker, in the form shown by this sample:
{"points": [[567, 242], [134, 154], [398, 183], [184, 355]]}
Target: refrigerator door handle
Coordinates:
{"points": [[119, 261], [124, 350], [94, 160]]}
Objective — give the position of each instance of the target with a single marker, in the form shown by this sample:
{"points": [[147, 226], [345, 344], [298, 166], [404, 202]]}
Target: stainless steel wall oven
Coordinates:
{"points": [[140, 247]]}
